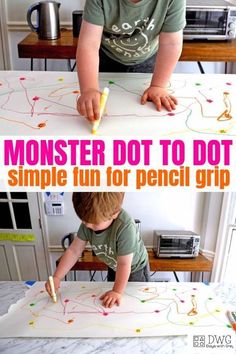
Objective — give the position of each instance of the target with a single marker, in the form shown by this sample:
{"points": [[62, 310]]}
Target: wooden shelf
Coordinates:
{"points": [[65, 48], [198, 264]]}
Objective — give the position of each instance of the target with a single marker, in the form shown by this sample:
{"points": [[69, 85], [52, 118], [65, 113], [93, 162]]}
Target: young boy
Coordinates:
{"points": [[129, 33], [114, 239]]}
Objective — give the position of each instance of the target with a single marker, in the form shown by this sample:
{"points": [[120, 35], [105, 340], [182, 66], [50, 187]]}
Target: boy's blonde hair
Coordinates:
{"points": [[95, 207]]}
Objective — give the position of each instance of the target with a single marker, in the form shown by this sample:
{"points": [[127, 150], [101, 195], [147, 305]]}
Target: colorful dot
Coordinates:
{"points": [[198, 84], [157, 311], [42, 291], [146, 289], [191, 323], [193, 295], [35, 98], [105, 313], [66, 300], [32, 304], [171, 114], [93, 295], [83, 287], [217, 310], [209, 101], [229, 326], [222, 131], [182, 301], [143, 300], [76, 92], [42, 125], [210, 298], [174, 289], [226, 93], [61, 79], [70, 321], [229, 83], [31, 323], [194, 288], [138, 330], [22, 78], [111, 82]]}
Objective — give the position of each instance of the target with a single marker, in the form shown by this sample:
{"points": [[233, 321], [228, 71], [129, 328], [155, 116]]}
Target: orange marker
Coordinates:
{"points": [[232, 318]]}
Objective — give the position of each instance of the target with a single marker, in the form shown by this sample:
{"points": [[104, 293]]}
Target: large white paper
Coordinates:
{"points": [[44, 103], [147, 309]]}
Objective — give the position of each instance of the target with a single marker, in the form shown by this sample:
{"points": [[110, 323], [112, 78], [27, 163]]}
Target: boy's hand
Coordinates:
{"points": [[56, 285], [88, 104], [110, 298], [160, 97]]}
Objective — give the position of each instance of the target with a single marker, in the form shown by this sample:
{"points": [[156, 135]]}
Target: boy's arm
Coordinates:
{"points": [[113, 296], [87, 58], [67, 261], [70, 257], [169, 51]]}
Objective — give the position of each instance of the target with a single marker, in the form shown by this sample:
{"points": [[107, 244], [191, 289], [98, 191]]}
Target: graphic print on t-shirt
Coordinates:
{"points": [[131, 39]]}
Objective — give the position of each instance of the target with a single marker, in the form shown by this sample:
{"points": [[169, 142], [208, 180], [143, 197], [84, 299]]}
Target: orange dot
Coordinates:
{"points": [[76, 92], [226, 93], [42, 125], [70, 321]]}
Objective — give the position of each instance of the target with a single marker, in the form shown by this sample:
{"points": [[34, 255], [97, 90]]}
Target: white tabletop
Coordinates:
{"points": [[10, 292], [44, 104]]}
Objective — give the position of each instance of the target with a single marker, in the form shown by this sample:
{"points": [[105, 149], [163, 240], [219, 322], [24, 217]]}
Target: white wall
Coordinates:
{"points": [[159, 210]]}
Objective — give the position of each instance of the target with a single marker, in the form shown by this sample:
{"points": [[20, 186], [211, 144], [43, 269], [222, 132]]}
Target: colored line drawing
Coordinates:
{"points": [[42, 103], [147, 309]]}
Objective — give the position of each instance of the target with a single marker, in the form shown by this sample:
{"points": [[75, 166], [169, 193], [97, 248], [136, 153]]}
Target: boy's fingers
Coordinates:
{"points": [[166, 103], [89, 111], [144, 98], [82, 109], [112, 302], [96, 109], [157, 102], [48, 289], [108, 302], [102, 296]]}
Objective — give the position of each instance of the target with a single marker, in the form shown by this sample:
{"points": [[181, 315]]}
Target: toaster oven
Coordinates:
{"points": [[210, 19], [176, 243]]}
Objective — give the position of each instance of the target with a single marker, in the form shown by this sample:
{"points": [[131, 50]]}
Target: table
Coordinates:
{"points": [[65, 48], [11, 292], [201, 264], [61, 48]]}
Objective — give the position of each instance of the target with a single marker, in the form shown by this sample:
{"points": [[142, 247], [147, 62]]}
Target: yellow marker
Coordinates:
{"points": [[103, 101], [54, 296]]}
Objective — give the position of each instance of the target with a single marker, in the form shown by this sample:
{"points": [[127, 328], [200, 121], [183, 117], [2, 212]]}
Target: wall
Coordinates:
{"points": [[18, 29], [159, 210]]}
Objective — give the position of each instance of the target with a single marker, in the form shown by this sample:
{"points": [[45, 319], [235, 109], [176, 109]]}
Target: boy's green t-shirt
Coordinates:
{"points": [[119, 239], [130, 31]]}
